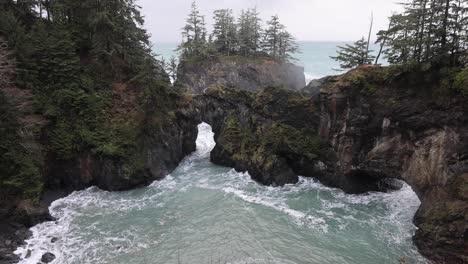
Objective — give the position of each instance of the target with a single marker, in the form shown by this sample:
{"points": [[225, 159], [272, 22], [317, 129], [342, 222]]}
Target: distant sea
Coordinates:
{"points": [[314, 56]]}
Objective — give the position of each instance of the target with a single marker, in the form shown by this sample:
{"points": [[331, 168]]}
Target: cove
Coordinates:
{"points": [[204, 213]]}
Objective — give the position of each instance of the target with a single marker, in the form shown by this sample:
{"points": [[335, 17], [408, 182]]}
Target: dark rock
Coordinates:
{"points": [[360, 132], [47, 257], [53, 240], [260, 133], [251, 74]]}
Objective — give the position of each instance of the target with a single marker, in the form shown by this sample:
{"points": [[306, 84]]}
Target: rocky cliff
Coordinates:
{"points": [[145, 134], [251, 74], [357, 132]]}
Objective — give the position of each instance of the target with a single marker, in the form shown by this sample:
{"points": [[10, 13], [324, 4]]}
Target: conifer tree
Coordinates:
{"points": [[194, 34], [427, 31], [271, 41], [250, 32], [224, 36], [353, 55]]}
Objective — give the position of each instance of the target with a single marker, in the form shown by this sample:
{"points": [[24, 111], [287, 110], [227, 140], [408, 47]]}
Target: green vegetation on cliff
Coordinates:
{"points": [[426, 32], [90, 69]]}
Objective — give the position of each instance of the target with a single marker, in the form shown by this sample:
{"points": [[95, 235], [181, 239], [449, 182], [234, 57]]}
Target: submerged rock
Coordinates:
{"points": [[47, 257]]}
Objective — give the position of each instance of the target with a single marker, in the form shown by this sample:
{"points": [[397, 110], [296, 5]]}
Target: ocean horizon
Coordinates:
{"points": [[314, 56]]}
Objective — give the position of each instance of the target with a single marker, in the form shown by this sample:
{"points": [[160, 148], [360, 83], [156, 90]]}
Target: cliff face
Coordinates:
{"points": [[357, 132], [160, 135], [405, 128], [251, 74], [150, 135], [262, 133]]}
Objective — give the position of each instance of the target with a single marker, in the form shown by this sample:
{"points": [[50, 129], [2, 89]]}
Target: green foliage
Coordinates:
{"points": [[19, 169], [357, 54], [194, 35], [246, 38], [461, 82], [224, 34], [427, 31], [249, 32], [278, 43], [69, 57]]}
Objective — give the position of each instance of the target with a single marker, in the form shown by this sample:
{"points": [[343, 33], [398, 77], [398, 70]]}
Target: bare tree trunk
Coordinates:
{"points": [[369, 37], [421, 33], [445, 26], [382, 45]]}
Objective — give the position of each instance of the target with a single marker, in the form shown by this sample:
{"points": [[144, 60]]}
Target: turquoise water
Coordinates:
{"points": [[203, 213], [314, 57]]}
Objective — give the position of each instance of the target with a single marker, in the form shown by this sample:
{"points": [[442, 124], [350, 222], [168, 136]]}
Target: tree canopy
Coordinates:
{"points": [[246, 37]]}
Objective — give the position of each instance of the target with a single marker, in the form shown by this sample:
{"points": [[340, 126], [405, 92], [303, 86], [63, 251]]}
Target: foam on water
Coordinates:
{"points": [[202, 208]]}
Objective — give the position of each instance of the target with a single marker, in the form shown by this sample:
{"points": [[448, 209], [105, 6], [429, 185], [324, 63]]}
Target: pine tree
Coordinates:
{"points": [[194, 35], [271, 40], [287, 46], [250, 32], [427, 31], [351, 56], [224, 34]]}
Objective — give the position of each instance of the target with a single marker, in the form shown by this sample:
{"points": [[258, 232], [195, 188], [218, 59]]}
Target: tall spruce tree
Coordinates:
{"points": [[224, 36], [271, 40], [277, 41], [427, 31], [250, 32], [287, 46], [194, 34]]}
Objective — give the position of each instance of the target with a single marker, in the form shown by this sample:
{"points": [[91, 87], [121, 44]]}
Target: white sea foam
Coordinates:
{"points": [[307, 205]]}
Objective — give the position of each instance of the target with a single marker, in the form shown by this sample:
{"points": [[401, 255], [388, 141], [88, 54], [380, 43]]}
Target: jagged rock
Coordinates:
{"points": [[251, 74], [47, 257], [261, 133], [383, 124], [372, 125]]}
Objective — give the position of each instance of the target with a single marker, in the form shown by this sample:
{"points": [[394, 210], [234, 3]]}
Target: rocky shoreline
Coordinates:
{"points": [[356, 132]]}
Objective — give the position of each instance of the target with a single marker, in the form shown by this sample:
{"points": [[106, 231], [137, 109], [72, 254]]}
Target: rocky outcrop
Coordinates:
{"points": [[386, 124], [251, 74], [161, 135], [275, 136], [267, 134], [357, 133], [152, 131]]}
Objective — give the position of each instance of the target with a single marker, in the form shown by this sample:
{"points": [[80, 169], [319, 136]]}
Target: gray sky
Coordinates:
{"points": [[319, 20]]}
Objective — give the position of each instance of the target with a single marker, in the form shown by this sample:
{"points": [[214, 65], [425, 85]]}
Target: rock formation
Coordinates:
{"points": [[360, 130], [251, 74]]}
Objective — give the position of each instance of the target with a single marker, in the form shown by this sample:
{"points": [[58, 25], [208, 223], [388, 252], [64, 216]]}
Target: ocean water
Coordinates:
{"points": [[314, 57], [203, 214]]}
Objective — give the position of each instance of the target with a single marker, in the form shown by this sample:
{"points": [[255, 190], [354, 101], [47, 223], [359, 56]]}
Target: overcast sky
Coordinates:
{"points": [[315, 20]]}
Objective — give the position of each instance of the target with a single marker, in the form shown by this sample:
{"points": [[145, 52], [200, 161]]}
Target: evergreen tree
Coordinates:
{"points": [[224, 36], [351, 56], [287, 46], [250, 32], [427, 31], [278, 42], [194, 34], [171, 68], [271, 40]]}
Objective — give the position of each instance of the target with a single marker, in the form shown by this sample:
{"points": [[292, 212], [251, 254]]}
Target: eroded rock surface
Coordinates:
{"points": [[357, 133], [251, 74]]}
